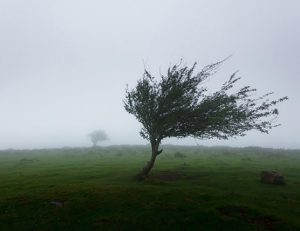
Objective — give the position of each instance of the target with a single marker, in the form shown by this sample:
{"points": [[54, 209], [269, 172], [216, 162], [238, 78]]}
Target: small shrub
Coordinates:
{"points": [[179, 155], [28, 161]]}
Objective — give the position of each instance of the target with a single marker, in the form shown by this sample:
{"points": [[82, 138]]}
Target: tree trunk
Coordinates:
{"points": [[145, 171]]}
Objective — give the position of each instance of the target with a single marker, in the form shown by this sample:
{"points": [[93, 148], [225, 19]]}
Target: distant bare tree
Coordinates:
{"points": [[98, 136]]}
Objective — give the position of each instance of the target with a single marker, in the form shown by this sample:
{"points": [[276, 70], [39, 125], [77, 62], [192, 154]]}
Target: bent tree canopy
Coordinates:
{"points": [[178, 105]]}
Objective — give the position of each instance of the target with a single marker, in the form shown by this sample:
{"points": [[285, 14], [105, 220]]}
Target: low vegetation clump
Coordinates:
{"points": [[179, 155], [93, 189]]}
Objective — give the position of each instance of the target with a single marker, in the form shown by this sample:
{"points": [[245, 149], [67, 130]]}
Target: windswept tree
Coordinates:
{"points": [[178, 105], [97, 136]]}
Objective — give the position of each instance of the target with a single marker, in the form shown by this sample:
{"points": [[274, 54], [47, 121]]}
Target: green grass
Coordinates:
{"points": [[202, 189]]}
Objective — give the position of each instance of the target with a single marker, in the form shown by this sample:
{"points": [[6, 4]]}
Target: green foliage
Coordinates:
{"points": [[178, 105]]}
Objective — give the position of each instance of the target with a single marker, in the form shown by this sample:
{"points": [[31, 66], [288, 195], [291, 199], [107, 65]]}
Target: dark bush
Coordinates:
{"points": [[179, 155]]}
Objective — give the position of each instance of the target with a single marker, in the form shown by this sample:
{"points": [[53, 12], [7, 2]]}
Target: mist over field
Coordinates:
{"points": [[64, 65], [81, 82]]}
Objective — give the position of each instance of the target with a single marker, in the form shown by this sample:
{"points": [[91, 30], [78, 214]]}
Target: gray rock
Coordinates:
{"points": [[57, 203], [272, 177]]}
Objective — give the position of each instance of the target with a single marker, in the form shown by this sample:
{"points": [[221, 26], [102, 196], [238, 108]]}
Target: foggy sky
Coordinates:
{"points": [[64, 64]]}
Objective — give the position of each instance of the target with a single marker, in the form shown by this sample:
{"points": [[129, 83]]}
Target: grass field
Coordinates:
{"points": [[190, 188]]}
